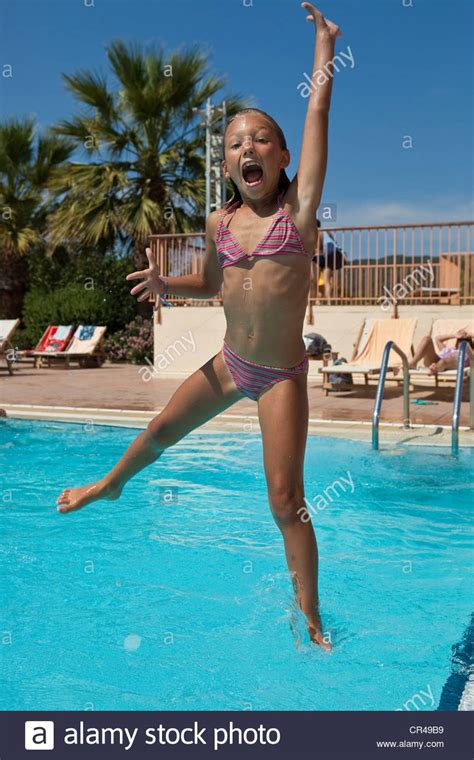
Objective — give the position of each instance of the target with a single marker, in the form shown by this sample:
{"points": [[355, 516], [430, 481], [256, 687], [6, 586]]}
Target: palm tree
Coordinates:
{"points": [[26, 166], [145, 172]]}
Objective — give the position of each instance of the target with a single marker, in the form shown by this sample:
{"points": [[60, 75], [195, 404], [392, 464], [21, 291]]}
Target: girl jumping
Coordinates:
{"points": [[259, 248]]}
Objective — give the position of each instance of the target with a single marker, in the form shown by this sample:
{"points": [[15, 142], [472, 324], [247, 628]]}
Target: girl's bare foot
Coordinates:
{"points": [[316, 633], [72, 499], [434, 368], [396, 370]]}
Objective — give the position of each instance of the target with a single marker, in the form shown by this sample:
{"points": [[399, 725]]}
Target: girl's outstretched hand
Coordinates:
{"points": [[152, 283], [323, 25]]}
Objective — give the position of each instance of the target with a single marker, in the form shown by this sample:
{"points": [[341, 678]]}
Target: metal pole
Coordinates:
{"points": [[380, 389], [224, 120], [208, 156], [379, 397], [214, 181], [406, 391], [471, 395], [458, 396]]}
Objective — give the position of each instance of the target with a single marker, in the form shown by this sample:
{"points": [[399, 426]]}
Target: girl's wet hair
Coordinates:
{"points": [[284, 181]]}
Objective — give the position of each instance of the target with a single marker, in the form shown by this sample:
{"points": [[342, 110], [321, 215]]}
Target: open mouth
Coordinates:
{"points": [[252, 174]]}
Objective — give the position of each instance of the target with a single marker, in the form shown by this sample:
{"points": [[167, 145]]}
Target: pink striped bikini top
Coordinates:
{"points": [[282, 238]]}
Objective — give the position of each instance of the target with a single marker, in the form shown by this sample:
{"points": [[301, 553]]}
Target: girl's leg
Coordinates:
{"points": [[426, 351], [207, 392], [283, 415]]}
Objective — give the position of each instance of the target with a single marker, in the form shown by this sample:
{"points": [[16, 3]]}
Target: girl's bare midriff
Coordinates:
{"points": [[259, 295]]}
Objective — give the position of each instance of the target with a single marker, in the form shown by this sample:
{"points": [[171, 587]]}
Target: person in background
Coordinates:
{"points": [[327, 259], [439, 357]]}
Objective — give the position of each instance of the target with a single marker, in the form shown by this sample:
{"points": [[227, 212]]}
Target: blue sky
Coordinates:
{"points": [[412, 76]]}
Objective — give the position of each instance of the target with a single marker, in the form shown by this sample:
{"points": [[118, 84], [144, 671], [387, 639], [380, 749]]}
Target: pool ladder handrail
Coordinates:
{"points": [[458, 397], [391, 346]]}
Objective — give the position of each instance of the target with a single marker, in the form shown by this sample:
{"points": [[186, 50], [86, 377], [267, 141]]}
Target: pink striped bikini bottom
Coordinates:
{"points": [[253, 379]]}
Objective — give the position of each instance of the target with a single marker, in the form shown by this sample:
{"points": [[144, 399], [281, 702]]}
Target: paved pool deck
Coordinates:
{"points": [[119, 394]]}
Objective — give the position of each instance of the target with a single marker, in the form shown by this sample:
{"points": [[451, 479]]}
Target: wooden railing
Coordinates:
{"points": [[398, 264]]}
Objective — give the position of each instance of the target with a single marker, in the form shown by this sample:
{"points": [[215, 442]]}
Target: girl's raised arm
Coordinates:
{"points": [[309, 180]]}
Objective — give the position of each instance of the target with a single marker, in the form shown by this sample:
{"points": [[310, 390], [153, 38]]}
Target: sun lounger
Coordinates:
{"points": [[448, 376], [370, 345], [84, 347], [445, 378], [7, 328], [54, 339]]}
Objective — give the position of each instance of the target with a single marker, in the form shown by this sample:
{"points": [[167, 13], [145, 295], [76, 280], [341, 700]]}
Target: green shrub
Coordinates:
{"points": [[133, 344], [77, 286], [75, 303]]}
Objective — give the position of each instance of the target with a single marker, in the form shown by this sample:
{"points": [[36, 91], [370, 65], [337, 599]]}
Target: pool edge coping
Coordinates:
{"points": [[139, 418]]}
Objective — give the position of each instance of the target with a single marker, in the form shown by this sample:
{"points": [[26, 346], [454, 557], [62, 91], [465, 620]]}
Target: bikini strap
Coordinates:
{"points": [[226, 212]]}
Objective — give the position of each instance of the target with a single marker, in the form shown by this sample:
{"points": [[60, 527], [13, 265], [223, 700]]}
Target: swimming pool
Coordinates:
{"points": [[177, 596]]}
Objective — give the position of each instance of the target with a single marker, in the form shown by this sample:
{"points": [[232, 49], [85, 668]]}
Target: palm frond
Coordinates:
{"points": [[128, 64], [91, 89], [149, 151]]}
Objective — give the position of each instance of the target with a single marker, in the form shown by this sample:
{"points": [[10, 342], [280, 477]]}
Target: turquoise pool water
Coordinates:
{"points": [[177, 596]]}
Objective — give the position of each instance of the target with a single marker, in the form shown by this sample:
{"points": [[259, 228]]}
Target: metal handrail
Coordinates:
{"points": [[391, 346], [458, 396]]}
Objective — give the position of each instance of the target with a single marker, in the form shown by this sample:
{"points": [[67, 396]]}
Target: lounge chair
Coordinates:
{"points": [[7, 328], [54, 339], [369, 347], [84, 347], [448, 376]]}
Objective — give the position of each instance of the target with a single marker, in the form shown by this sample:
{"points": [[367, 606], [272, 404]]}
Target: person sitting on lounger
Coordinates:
{"points": [[439, 357]]}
